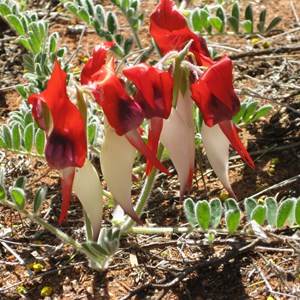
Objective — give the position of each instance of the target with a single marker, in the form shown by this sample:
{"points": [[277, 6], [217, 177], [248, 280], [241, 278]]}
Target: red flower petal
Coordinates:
{"points": [[66, 183], [169, 29], [66, 144], [155, 89], [135, 140], [230, 132], [122, 113], [155, 129], [95, 63], [214, 94]]}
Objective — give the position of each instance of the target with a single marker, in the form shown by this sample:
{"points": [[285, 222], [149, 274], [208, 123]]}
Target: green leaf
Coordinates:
{"points": [[235, 11], [40, 140], [233, 24], [271, 211], [232, 218], [124, 4], [248, 26], [241, 112], [249, 13], [196, 21], [216, 212], [297, 211], [220, 13], [72, 8], [2, 193], [20, 182], [204, 14], [251, 106], [22, 91], [90, 7], [2, 143], [231, 204], [25, 23], [100, 13], [111, 22], [100, 253], [189, 211], [16, 136], [262, 111], [84, 15], [61, 52], [7, 136], [25, 42], [128, 45], [216, 23], [4, 10], [249, 204], [262, 21], [53, 39], [34, 42], [28, 118], [273, 23], [259, 214], [28, 62], [28, 137], [18, 196], [291, 218], [92, 129], [119, 38], [284, 211], [202, 212], [39, 198], [16, 24]]}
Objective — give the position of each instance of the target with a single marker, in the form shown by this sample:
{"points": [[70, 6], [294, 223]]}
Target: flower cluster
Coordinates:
{"points": [[165, 96]]}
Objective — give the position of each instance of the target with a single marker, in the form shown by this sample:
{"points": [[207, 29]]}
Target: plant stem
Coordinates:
{"points": [[64, 237], [144, 195], [129, 21]]}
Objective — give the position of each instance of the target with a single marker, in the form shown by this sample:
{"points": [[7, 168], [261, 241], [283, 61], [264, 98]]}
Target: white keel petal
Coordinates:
{"points": [[179, 139], [117, 158], [216, 146], [87, 187]]}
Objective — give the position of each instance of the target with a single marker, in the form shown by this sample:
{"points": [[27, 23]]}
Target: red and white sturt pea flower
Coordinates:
{"points": [[66, 145], [212, 92]]}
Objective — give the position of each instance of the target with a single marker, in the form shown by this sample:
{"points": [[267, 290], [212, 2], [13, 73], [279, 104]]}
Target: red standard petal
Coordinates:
{"points": [[122, 113], [66, 144], [170, 31], [95, 63], [230, 132], [155, 89], [214, 94]]}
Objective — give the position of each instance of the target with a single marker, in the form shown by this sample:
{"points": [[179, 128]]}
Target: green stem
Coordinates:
{"points": [[177, 81], [87, 227], [64, 237], [145, 193], [136, 37], [177, 230]]}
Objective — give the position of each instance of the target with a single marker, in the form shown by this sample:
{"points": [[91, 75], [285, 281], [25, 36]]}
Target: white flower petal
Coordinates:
{"points": [[87, 187], [179, 139], [216, 146], [117, 157]]}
